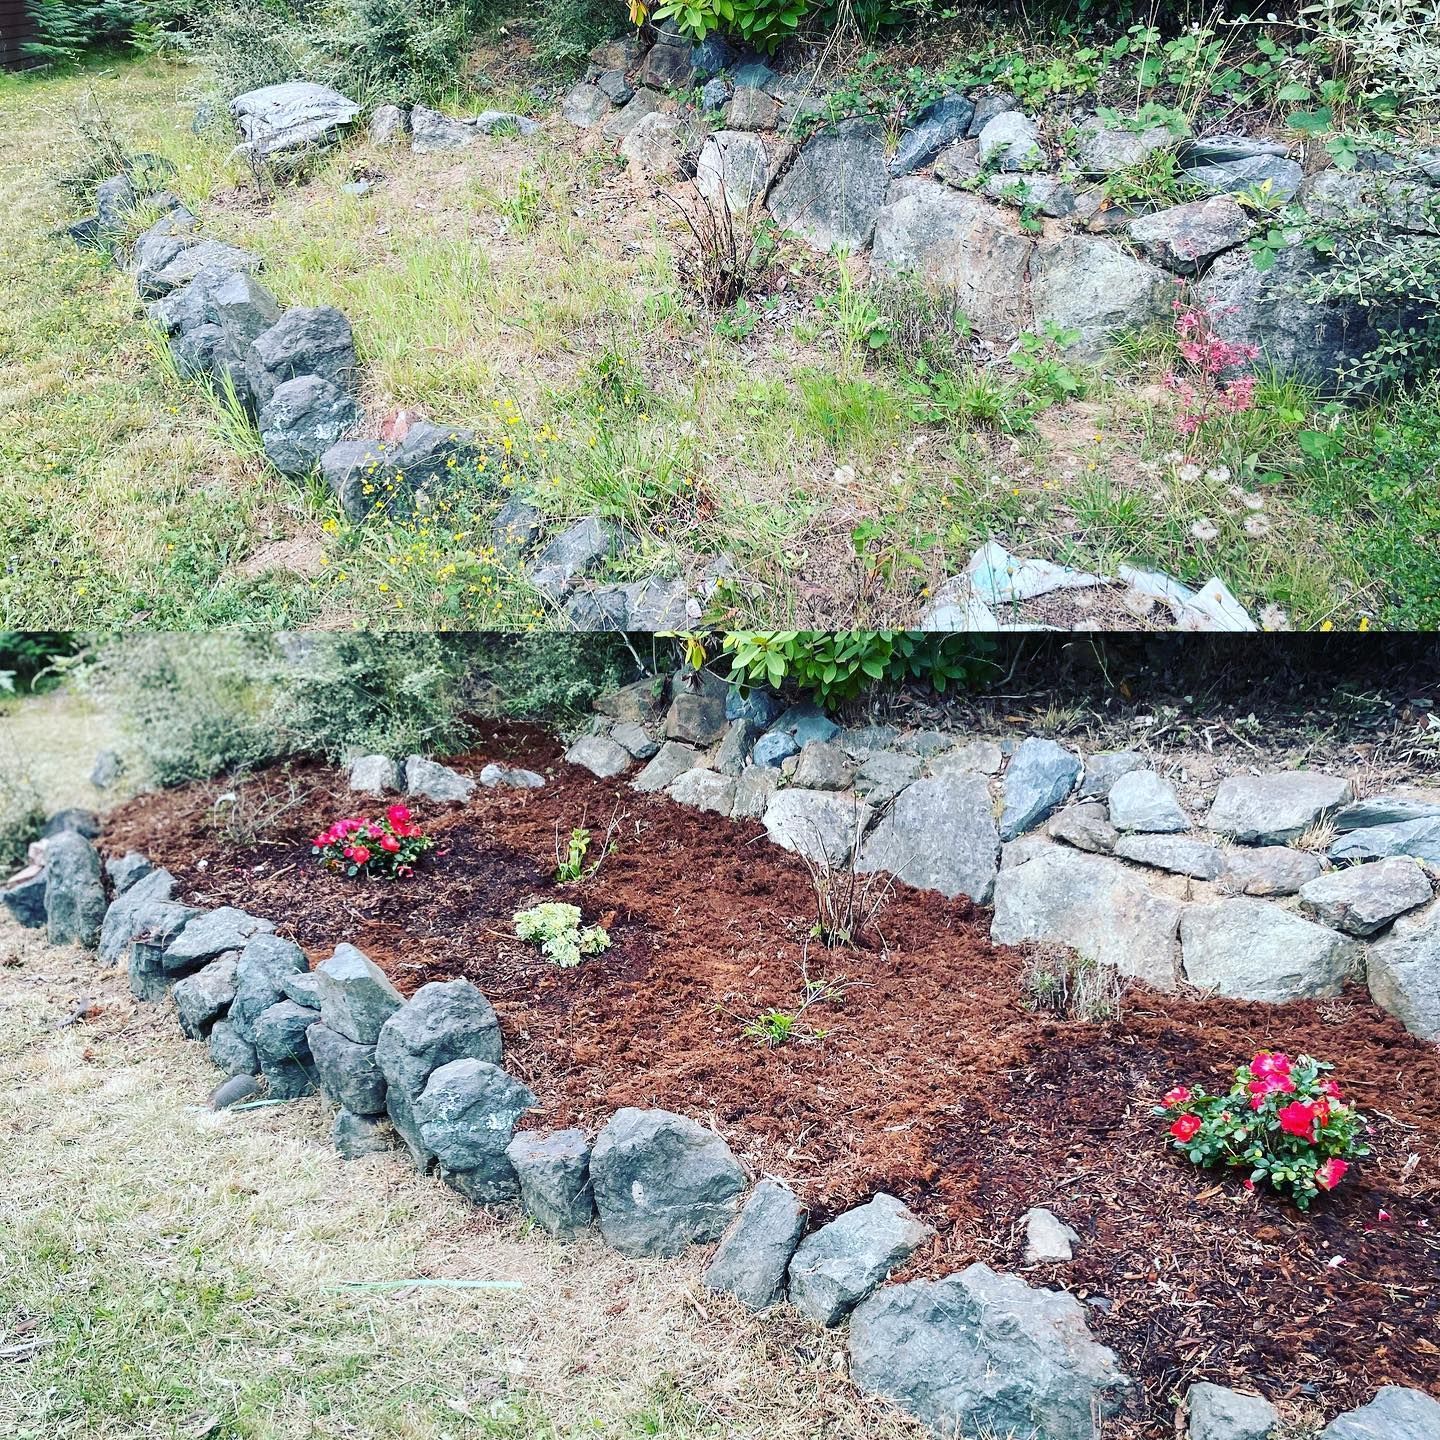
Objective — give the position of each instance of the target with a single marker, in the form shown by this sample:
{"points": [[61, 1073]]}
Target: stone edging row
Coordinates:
{"points": [[654, 1182]]}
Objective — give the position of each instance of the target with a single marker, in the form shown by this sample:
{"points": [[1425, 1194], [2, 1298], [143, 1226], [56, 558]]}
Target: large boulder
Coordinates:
{"points": [[283, 117], [74, 891], [838, 1265], [347, 1072], [704, 790], [754, 1254], [282, 1042], [1252, 950], [1087, 284], [444, 1021], [394, 477], [1403, 971], [1094, 905], [1186, 238], [1274, 809], [430, 780], [260, 973], [303, 420], [553, 1170], [204, 997], [822, 825], [211, 935], [356, 996], [1217, 1413], [1419, 839], [25, 900], [941, 123], [309, 340], [1396, 1413], [982, 1353], [1364, 899], [957, 241], [129, 915], [466, 1115], [1039, 777], [939, 835], [662, 1182], [832, 193]]}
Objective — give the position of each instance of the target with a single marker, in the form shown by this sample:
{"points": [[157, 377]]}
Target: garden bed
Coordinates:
{"points": [[933, 1080]]}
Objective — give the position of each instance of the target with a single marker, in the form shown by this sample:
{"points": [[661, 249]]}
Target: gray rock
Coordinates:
{"points": [[983, 757], [732, 755], [662, 1182], [237, 1089], [190, 259], [1420, 839], [356, 996], [1403, 972], [981, 1353], [303, 987], [347, 1072], [1048, 1239], [600, 755], [961, 244], [884, 774], [374, 775], [1086, 827], [309, 340], [115, 199], [715, 94], [74, 891], [1363, 899], [987, 107], [773, 748], [602, 609], [1103, 150], [670, 761], [939, 124], [832, 193], [25, 900], [1041, 194], [838, 1265], [711, 56], [1269, 869], [430, 780], [613, 85], [204, 997], [939, 835], [358, 1135], [1094, 905], [188, 307], [738, 167], [467, 1113], [574, 552], [155, 247], [657, 604], [388, 124], [159, 924], [1104, 769], [1220, 1414], [752, 109], [705, 790], [1394, 807], [284, 1050], [668, 64], [662, 146], [696, 718], [1249, 950], [1040, 775], [129, 915], [753, 792], [628, 117], [125, 870], [209, 936], [517, 528], [1395, 1413], [1276, 175], [1086, 283], [639, 703], [805, 722], [1011, 141], [1141, 800], [201, 354], [503, 122], [959, 164], [400, 1107], [1178, 854], [823, 825], [243, 309], [1272, 809], [397, 477], [302, 420], [265, 963], [636, 739], [510, 777], [284, 117], [446, 1020], [230, 1051], [754, 1254], [1185, 238], [431, 131], [586, 105], [822, 765], [554, 1173]]}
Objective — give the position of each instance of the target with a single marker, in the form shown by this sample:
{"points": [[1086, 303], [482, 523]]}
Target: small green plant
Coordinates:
{"points": [[1059, 982], [1049, 378], [772, 1028], [523, 205], [555, 927], [571, 865]]}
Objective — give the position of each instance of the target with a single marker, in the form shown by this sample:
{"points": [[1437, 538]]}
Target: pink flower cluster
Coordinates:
{"points": [[1202, 391], [358, 846]]}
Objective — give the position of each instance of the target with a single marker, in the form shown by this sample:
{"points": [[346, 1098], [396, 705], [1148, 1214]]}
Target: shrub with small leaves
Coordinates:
{"points": [[1284, 1120], [555, 927]]}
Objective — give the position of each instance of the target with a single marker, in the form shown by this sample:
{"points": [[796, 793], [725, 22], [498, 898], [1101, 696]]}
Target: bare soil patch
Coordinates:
{"points": [[932, 1079]]}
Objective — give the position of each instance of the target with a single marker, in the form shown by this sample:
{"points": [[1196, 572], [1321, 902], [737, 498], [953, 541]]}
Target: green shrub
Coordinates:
{"points": [[838, 665], [555, 928], [566, 31], [765, 24], [27, 658], [21, 816], [551, 679]]}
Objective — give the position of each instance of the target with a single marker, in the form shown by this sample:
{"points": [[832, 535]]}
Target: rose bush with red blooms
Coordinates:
{"points": [[1284, 1120], [390, 846]]}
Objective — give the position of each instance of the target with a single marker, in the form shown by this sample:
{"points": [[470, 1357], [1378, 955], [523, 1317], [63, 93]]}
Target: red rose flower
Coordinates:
{"points": [[389, 844], [397, 815], [1178, 1096], [360, 855], [1185, 1127], [1331, 1173], [1298, 1118], [1261, 1089], [1330, 1088], [1271, 1062]]}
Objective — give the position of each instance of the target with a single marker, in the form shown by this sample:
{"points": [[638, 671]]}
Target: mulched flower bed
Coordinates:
{"points": [[932, 1080]]}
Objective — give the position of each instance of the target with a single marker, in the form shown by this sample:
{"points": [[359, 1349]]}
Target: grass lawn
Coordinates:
{"points": [[527, 287]]}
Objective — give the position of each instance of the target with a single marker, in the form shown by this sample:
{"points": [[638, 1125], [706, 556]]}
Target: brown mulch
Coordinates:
{"points": [[928, 1077]]}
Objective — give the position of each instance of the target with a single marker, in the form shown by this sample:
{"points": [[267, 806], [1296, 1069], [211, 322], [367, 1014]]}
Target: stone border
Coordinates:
{"points": [[656, 1182]]}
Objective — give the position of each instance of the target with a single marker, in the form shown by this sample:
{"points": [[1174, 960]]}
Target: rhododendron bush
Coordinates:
{"points": [[1284, 1120], [390, 846]]}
